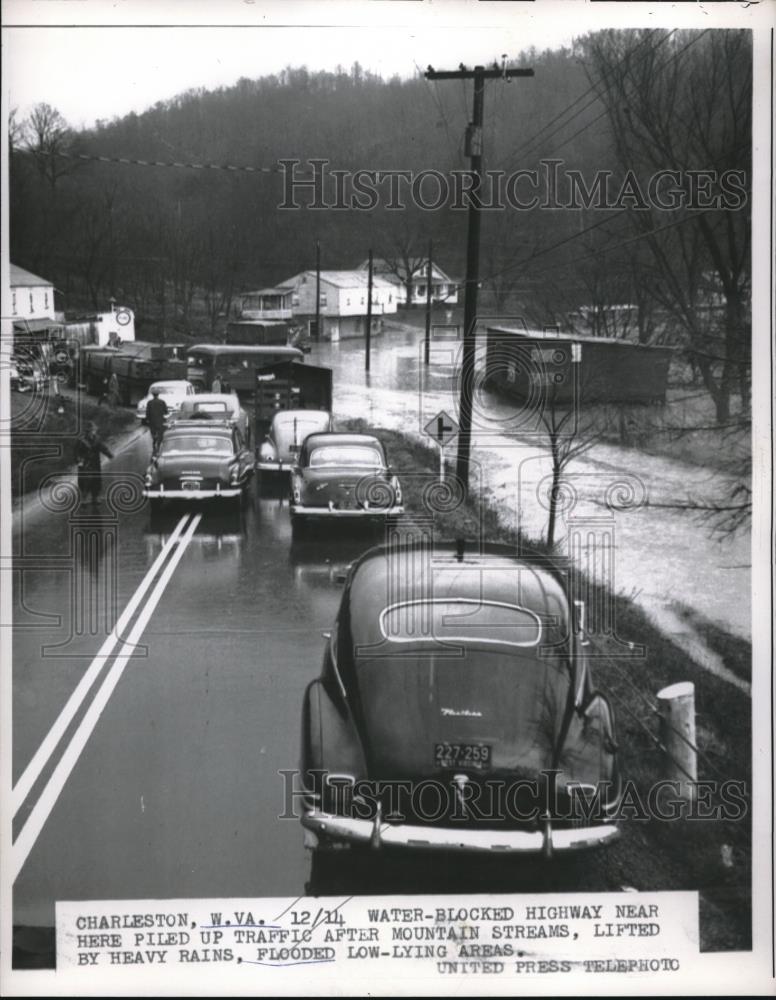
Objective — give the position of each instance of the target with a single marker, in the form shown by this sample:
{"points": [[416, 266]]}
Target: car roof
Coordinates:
{"points": [[214, 426], [289, 415], [495, 574], [336, 438], [214, 397], [248, 349], [182, 382]]}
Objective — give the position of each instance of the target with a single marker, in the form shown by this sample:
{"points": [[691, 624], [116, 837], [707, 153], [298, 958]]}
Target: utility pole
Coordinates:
{"points": [[474, 151], [428, 303], [368, 314], [317, 290]]}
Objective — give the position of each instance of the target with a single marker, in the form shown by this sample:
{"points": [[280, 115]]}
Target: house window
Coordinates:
{"points": [[45, 298], [13, 302], [294, 299], [32, 304], [347, 301], [390, 297], [323, 298], [421, 291], [363, 300]]}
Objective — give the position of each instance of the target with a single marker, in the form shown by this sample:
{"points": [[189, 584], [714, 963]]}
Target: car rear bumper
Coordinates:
{"points": [[402, 835], [273, 466], [218, 493], [352, 512]]}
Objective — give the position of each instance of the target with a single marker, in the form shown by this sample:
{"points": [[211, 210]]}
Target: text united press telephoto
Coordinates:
{"points": [[382, 544]]}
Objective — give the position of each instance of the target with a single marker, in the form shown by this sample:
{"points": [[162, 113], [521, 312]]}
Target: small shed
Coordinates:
{"points": [[529, 364]]}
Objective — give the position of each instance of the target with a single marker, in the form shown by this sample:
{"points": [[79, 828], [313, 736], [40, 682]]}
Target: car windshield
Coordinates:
{"points": [[167, 390], [460, 620], [195, 444], [357, 456]]}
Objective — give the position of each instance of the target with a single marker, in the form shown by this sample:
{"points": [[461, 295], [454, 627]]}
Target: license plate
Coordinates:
{"points": [[475, 755], [188, 484]]}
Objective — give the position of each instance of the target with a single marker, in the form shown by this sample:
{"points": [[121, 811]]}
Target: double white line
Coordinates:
{"points": [[169, 557]]}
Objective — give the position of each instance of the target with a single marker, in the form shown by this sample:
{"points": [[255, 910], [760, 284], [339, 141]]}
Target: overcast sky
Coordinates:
{"points": [[89, 73], [91, 59]]}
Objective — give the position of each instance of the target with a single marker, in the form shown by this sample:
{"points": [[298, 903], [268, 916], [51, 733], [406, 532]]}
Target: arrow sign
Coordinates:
{"points": [[442, 428]]}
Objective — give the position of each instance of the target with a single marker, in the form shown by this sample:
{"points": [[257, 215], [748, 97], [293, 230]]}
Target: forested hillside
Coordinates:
{"points": [[596, 124]]}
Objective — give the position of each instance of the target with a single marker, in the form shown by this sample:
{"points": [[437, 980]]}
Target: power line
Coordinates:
{"points": [[126, 160], [530, 142]]}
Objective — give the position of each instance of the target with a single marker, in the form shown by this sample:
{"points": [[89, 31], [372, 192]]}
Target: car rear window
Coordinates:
{"points": [[460, 620], [199, 444], [358, 456], [216, 406]]}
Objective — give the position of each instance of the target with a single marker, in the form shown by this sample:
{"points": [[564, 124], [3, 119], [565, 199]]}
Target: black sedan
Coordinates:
{"points": [[343, 476], [200, 460], [456, 711]]}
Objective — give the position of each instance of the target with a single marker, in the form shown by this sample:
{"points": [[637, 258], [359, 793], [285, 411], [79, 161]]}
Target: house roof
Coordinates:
{"points": [[23, 325], [23, 279], [342, 279], [418, 267], [269, 291], [575, 338]]}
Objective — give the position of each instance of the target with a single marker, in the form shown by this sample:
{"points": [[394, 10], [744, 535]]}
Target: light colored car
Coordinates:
{"points": [[172, 391], [216, 406], [280, 448], [199, 460]]}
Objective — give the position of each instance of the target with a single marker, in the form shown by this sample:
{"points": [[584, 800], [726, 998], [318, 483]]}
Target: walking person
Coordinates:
{"points": [[156, 416], [88, 451]]}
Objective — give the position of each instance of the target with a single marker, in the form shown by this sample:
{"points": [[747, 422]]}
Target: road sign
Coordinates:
{"points": [[442, 428]]}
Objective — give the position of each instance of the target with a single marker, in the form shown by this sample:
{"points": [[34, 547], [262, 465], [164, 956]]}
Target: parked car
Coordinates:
{"points": [[217, 406], [28, 373], [172, 391], [467, 672], [281, 447], [343, 476], [199, 460]]}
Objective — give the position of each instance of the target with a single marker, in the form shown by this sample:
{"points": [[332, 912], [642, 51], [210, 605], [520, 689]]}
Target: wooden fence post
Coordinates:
{"points": [[676, 707]]}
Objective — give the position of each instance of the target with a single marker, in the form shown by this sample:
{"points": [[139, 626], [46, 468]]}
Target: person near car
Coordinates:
{"points": [[88, 451], [156, 414]]}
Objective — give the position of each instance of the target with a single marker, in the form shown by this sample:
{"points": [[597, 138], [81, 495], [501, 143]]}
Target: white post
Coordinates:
{"points": [[676, 707], [441, 464]]}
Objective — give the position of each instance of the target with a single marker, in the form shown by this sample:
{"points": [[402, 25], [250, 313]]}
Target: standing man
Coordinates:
{"points": [[156, 415], [88, 449]]}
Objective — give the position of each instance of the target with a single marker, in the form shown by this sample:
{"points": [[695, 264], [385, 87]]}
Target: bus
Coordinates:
{"points": [[223, 367]]}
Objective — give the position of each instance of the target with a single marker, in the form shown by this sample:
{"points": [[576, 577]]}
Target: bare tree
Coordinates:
{"points": [[571, 430], [683, 103], [48, 137]]}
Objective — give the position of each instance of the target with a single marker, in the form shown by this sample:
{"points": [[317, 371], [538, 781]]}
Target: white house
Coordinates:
{"points": [[343, 301], [32, 298], [443, 288]]}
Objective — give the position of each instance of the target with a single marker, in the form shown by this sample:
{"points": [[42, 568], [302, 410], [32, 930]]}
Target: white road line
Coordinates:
{"points": [[32, 772], [43, 807]]}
